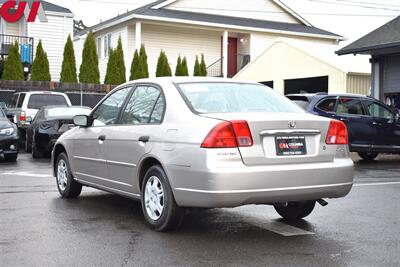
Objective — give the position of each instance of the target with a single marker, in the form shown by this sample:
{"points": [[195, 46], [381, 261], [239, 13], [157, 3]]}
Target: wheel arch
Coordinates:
{"points": [[144, 166], [58, 149]]}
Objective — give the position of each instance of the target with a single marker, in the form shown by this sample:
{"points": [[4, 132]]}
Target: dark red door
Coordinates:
{"points": [[232, 56]]}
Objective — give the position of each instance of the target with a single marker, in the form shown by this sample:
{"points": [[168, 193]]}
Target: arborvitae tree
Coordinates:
{"points": [[203, 67], [135, 68], [40, 66], [178, 69], [184, 67], [163, 68], [13, 69], [119, 71], [68, 71], [197, 71], [89, 69], [110, 77], [144, 67]]}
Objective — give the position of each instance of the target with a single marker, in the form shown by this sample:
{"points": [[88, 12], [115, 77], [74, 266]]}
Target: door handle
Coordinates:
{"points": [[144, 139], [102, 138]]}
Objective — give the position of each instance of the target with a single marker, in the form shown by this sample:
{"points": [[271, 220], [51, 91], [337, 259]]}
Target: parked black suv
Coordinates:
{"points": [[373, 127]]}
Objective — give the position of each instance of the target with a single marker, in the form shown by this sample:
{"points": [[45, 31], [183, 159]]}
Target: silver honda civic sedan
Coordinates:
{"points": [[178, 143]]}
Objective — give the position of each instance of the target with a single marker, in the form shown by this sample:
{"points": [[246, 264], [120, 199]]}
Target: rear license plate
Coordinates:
{"points": [[290, 145]]}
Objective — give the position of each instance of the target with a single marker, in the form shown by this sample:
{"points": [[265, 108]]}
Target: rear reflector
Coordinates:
{"points": [[229, 134], [337, 133]]}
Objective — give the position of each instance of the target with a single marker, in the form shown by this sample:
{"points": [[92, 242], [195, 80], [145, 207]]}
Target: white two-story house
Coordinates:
{"points": [[230, 33], [53, 34]]}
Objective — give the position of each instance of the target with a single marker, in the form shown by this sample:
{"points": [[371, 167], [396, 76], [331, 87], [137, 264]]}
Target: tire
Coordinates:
{"points": [[295, 210], [369, 156], [66, 185], [156, 189], [28, 144], [11, 157], [36, 153]]}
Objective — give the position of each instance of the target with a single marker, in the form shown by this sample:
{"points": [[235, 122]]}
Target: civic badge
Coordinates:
{"points": [[292, 124]]}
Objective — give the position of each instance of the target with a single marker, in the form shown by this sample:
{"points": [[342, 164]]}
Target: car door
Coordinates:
{"points": [[134, 136], [385, 124], [90, 143], [360, 126]]}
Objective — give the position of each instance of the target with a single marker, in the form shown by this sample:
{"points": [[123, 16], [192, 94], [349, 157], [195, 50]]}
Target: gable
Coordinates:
{"points": [[267, 10]]}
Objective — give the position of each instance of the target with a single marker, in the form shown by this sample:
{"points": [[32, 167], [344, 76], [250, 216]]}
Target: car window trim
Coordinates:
{"points": [[157, 86], [327, 98], [131, 86], [365, 101], [351, 115]]}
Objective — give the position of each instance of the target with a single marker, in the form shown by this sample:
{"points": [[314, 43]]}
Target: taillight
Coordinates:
{"points": [[337, 133], [229, 134], [22, 117]]}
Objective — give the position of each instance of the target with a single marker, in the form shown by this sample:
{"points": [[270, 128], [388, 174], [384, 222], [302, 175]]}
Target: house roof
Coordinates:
{"points": [[386, 36], [149, 12], [49, 7], [326, 54]]}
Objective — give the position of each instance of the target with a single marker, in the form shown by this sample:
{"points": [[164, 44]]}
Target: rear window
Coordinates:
{"points": [[327, 105], [66, 112], [235, 97], [301, 103], [39, 100], [13, 102]]}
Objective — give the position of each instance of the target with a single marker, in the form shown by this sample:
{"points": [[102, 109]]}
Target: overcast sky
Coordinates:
{"points": [[350, 18]]}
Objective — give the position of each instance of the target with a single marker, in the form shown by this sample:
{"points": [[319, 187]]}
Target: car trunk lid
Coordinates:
{"points": [[283, 138]]}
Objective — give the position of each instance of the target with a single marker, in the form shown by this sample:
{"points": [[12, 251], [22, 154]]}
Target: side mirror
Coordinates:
{"points": [[28, 119], [81, 120]]}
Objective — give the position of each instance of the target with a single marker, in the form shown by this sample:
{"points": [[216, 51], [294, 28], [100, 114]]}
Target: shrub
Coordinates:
{"points": [[185, 71], [68, 70], [144, 68], [197, 71], [203, 67], [119, 70], [110, 77], [89, 69], [13, 69], [178, 69], [163, 68], [40, 66], [135, 68]]}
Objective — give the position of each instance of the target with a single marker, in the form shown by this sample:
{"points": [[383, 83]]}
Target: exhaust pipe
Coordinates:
{"points": [[322, 202]]}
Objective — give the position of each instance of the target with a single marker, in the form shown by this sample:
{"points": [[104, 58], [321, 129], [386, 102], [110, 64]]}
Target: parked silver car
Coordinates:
{"points": [[175, 143]]}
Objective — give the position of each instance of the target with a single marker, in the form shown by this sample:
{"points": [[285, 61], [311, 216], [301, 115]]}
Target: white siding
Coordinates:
{"points": [[12, 28], [116, 32], [53, 34], [358, 84], [177, 41], [254, 9]]}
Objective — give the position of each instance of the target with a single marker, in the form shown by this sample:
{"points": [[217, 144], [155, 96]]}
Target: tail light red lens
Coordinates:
{"points": [[337, 133], [229, 134], [22, 117]]}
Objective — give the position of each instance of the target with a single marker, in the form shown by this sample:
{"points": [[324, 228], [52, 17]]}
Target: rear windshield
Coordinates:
{"points": [[66, 112], [301, 103], [38, 101], [235, 97]]}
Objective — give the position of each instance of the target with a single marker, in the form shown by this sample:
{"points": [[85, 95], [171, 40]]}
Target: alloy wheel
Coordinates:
{"points": [[62, 174]]}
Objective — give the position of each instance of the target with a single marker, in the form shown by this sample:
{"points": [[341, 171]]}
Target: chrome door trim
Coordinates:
{"points": [[121, 163], [90, 159], [102, 179], [281, 132]]}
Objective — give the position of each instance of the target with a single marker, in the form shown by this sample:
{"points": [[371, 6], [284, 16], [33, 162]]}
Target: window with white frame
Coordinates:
{"points": [[107, 44], [99, 47]]}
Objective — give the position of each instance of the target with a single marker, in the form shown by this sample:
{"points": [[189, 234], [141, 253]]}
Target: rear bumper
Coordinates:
{"points": [[261, 185]]}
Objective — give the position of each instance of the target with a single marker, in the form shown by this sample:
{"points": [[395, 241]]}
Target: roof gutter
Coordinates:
{"points": [[361, 50], [212, 24]]}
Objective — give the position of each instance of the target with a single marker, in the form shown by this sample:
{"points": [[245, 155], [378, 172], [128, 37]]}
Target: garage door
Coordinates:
{"points": [[391, 80], [307, 85]]}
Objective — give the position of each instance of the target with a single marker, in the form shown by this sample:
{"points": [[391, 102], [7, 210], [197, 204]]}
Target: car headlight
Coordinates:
{"points": [[7, 131]]}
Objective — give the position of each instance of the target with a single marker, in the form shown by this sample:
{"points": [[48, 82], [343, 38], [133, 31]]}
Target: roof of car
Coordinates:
{"points": [[40, 92], [325, 94], [190, 79]]}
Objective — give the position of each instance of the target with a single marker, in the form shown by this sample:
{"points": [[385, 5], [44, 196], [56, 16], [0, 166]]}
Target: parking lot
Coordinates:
{"points": [[37, 227]]}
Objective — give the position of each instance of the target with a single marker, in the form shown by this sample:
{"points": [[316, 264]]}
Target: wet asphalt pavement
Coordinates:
{"points": [[38, 228]]}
